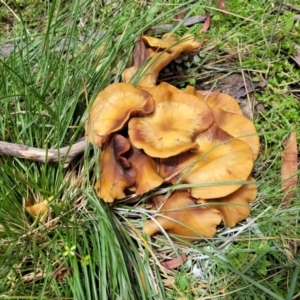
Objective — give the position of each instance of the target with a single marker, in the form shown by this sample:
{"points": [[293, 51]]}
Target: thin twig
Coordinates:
{"points": [[65, 154]]}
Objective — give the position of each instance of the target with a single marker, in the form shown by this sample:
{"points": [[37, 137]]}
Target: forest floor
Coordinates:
{"points": [[51, 69]]}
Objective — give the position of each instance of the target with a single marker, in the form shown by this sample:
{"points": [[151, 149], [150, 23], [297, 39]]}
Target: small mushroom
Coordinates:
{"points": [[148, 72], [162, 52], [173, 127], [171, 43], [112, 109], [239, 127], [187, 43], [235, 207], [116, 171], [180, 215], [219, 162], [165, 43]]}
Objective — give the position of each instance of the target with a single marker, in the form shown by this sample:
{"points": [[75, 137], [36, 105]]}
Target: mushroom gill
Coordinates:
{"points": [[116, 171], [146, 169]]}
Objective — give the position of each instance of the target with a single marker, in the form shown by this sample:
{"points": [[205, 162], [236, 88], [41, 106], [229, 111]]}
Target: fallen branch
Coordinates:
{"points": [[292, 7], [65, 154]]}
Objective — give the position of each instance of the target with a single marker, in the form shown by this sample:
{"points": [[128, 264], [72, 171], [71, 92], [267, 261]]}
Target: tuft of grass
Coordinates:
{"points": [[64, 53]]}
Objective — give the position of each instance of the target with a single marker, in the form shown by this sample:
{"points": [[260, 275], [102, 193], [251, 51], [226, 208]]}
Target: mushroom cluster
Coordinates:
{"points": [[153, 135]]}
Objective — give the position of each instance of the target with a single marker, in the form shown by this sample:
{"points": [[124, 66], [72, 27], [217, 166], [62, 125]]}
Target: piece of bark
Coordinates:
{"points": [[292, 7], [289, 168], [194, 20], [65, 154]]}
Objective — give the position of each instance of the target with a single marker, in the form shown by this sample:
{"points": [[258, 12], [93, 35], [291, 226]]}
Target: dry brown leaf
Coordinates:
{"points": [[289, 168], [206, 23], [140, 53], [175, 262], [221, 5], [204, 29], [62, 273]]}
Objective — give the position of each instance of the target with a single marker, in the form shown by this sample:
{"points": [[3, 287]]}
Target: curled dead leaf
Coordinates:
{"points": [[175, 262], [62, 273], [140, 53]]}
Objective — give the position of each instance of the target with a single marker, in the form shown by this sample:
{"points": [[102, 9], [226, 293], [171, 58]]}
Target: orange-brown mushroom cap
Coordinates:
{"points": [[112, 109], [166, 41], [235, 207], [187, 43], [216, 99], [163, 52], [219, 162], [173, 126], [239, 127], [181, 216], [116, 172], [171, 43], [159, 92]]}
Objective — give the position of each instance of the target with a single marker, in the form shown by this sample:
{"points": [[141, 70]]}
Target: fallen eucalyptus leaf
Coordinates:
{"points": [[289, 168]]}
